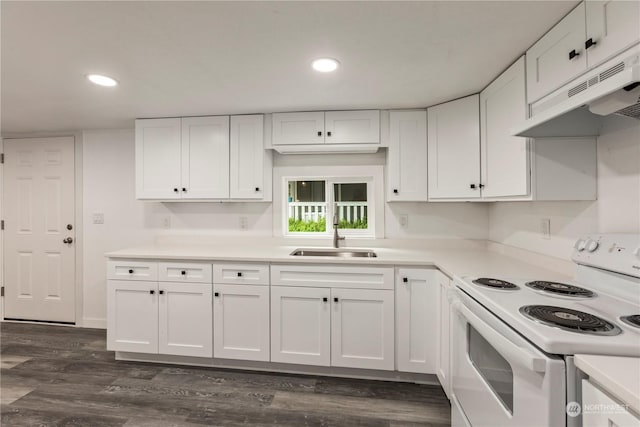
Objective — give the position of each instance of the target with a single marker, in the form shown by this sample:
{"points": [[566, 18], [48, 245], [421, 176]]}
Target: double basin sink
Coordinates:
{"points": [[335, 253]]}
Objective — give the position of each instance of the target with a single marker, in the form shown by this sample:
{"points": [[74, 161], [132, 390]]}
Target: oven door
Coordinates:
{"points": [[498, 377]]}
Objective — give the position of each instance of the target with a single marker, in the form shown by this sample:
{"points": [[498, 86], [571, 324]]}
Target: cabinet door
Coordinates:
{"points": [[362, 329], [241, 322], [505, 158], [247, 157], [444, 344], [454, 149], [205, 158], [298, 128], [132, 316], [613, 26], [185, 319], [417, 302], [548, 63], [407, 156], [352, 127], [613, 413], [158, 158], [300, 325]]}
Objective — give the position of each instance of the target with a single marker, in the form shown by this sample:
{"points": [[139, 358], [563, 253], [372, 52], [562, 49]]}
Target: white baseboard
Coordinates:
{"points": [[93, 322]]}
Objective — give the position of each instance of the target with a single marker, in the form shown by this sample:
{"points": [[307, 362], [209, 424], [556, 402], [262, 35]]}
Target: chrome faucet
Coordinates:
{"points": [[335, 230]]}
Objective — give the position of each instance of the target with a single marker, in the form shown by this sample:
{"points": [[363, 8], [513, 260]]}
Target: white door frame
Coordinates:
{"points": [[79, 241]]}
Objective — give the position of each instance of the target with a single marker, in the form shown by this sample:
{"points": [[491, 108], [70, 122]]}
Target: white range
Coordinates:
{"points": [[514, 338]]}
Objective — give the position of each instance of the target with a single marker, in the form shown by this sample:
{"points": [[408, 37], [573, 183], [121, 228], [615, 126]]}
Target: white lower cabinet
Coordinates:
{"points": [[362, 328], [417, 299], [185, 319], [241, 322], [300, 325], [132, 321]]}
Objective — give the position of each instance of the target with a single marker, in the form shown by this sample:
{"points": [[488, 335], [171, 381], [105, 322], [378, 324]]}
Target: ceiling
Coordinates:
{"points": [[206, 58]]}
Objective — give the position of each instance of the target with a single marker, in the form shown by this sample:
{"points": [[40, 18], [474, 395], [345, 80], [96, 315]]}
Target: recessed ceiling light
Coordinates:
{"points": [[101, 80], [325, 65]]}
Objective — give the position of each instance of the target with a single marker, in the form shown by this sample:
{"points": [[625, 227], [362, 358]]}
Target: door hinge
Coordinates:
{"points": [[2, 291]]}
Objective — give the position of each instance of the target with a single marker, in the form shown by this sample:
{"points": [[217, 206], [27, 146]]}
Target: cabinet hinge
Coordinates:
{"points": [[2, 291], [1, 158], [2, 224]]}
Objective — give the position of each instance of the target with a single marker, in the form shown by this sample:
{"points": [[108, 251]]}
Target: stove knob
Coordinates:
{"points": [[592, 245], [580, 245]]}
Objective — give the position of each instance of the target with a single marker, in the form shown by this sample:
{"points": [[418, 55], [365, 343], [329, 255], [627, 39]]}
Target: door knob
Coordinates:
{"points": [[68, 240]]}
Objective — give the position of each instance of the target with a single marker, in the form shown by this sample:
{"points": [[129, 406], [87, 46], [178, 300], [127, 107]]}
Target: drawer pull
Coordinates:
{"points": [[335, 299], [131, 271], [239, 274], [405, 280], [183, 272], [325, 299], [152, 292], [161, 292], [216, 294]]}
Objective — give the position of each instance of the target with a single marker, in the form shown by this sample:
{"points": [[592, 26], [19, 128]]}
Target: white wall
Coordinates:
{"points": [[109, 188], [617, 209]]}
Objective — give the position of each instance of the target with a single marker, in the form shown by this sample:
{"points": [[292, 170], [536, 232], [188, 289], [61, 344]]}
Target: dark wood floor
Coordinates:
{"points": [[62, 376]]}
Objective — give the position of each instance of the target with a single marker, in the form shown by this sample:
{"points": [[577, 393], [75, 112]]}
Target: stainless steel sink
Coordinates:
{"points": [[338, 253]]}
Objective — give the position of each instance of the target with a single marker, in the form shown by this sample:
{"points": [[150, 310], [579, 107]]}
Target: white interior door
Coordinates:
{"points": [[39, 199]]}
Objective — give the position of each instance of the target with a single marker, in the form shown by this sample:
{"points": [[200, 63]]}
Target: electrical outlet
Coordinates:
{"points": [[166, 222], [404, 220], [244, 223], [98, 218], [545, 228]]}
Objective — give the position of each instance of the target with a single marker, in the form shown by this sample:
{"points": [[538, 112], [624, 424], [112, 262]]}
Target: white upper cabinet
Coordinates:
{"points": [[504, 158], [158, 151], [352, 127], [205, 158], [592, 33], [558, 56], [331, 127], [454, 149], [247, 157], [407, 156], [202, 158], [612, 26], [298, 128]]}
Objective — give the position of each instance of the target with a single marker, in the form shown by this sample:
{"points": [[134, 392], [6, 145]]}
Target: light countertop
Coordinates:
{"points": [[620, 376], [454, 259]]}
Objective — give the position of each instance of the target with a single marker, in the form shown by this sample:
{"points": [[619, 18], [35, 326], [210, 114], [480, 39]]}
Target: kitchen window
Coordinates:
{"points": [[311, 204]]}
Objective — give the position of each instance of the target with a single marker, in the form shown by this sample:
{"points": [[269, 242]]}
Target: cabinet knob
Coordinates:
{"points": [[131, 271], [319, 133], [175, 190], [216, 294], [573, 54], [161, 292], [152, 292], [325, 299], [481, 185], [335, 299], [405, 280], [183, 272], [395, 191], [257, 188], [329, 133], [589, 43], [239, 274], [472, 186], [184, 190]]}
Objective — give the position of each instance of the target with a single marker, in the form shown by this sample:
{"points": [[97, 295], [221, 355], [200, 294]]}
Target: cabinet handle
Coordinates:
{"points": [[152, 292], [183, 272], [573, 54], [325, 299], [319, 133], [395, 191], [589, 43], [239, 274], [175, 190], [216, 294], [131, 271], [472, 186], [161, 292], [257, 188], [335, 299], [329, 133], [405, 280], [184, 190]]}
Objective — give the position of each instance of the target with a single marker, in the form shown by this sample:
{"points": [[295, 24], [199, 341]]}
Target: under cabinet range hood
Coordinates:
{"points": [[578, 107]]}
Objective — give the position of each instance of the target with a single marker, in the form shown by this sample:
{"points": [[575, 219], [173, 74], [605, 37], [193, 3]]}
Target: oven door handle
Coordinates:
{"points": [[504, 346]]}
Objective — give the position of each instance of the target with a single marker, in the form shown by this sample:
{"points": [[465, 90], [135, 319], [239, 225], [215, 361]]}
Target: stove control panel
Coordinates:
{"points": [[613, 252]]}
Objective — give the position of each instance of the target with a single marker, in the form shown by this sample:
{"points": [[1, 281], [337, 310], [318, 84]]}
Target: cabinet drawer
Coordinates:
{"points": [[192, 272], [332, 276], [132, 270], [245, 274]]}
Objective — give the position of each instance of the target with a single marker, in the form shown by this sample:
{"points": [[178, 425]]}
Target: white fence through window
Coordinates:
{"points": [[312, 211]]}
